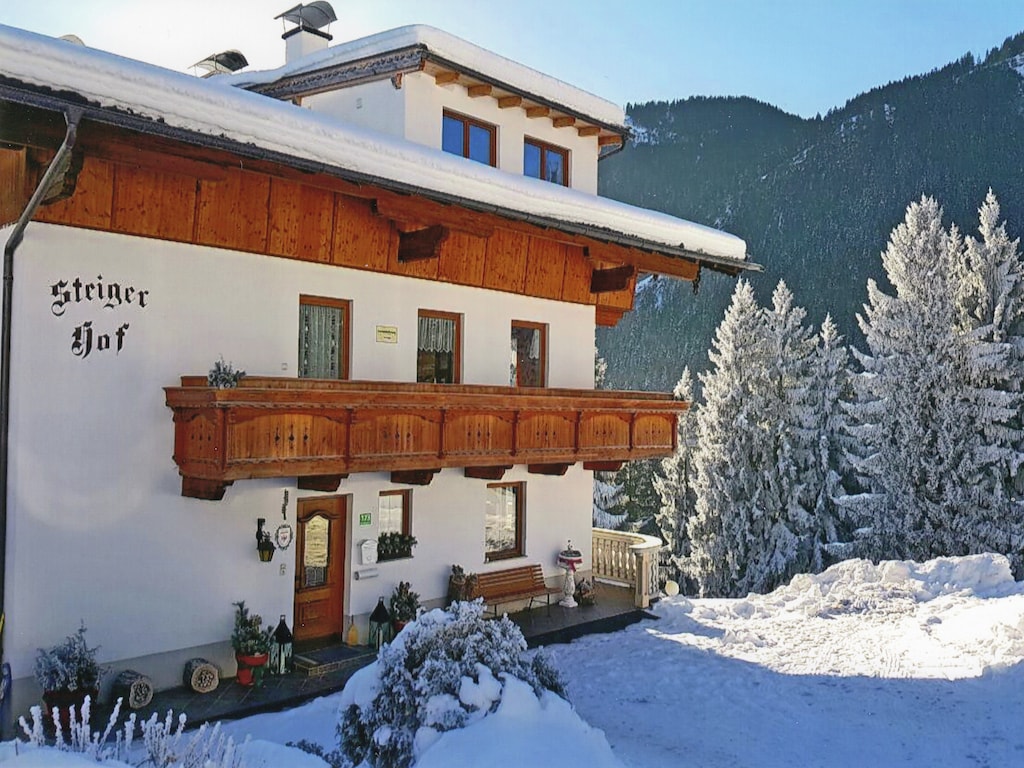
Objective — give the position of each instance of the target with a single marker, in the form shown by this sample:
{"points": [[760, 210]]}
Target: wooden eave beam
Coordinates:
{"points": [[487, 473], [505, 102], [588, 130], [609, 140], [564, 121], [418, 213], [325, 483], [477, 91], [534, 112], [420, 244], [446, 77], [413, 476], [554, 470], [603, 466], [643, 261], [614, 279]]}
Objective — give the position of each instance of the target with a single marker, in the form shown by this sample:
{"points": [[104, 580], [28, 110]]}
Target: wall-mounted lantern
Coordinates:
{"points": [[264, 546]]}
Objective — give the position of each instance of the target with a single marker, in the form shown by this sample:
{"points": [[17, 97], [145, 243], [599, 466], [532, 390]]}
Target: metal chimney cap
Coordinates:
{"points": [[315, 15]]}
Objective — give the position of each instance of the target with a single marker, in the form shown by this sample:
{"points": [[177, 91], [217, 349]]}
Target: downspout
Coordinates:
{"points": [[56, 170]]}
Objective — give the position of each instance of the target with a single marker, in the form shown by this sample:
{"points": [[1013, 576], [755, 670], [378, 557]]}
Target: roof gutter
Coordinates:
{"points": [[54, 173]]}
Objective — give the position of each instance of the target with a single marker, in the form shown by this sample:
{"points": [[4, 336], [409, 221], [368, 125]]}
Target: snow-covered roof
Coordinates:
{"points": [[158, 98], [458, 52]]}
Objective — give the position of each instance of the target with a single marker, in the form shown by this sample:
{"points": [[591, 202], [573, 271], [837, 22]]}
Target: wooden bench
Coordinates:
{"points": [[513, 584]]}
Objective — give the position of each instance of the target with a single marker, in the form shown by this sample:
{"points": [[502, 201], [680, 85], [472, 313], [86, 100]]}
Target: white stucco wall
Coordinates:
{"points": [[414, 111], [98, 530]]}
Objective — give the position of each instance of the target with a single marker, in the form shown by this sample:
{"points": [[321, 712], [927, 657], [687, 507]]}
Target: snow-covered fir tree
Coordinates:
{"points": [[826, 394], [675, 487], [913, 415], [990, 315], [607, 502], [748, 528]]}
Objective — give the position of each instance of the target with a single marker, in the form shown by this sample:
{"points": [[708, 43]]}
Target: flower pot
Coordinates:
{"points": [[64, 700], [250, 668], [398, 625]]}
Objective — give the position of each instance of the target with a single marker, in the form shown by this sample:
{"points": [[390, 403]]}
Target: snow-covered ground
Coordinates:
{"points": [[898, 664]]}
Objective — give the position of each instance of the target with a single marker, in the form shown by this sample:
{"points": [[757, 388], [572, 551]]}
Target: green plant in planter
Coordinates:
{"points": [[404, 603], [223, 375], [393, 545], [69, 666], [249, 637]]}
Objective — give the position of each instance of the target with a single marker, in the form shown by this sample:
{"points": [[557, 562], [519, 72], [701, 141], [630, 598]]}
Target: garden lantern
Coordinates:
{"points": [[281, 649], [380, 625]]}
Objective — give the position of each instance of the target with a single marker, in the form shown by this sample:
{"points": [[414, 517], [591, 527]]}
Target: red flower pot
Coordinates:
{"points": [[247, 666], [63, 701]]}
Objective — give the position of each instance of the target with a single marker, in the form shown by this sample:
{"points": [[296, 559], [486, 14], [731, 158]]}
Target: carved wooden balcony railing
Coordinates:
{"points": [[321, 431]]}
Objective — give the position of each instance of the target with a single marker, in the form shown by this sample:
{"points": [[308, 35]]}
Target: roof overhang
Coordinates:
{"points": [[419, 58], [650, 256]]}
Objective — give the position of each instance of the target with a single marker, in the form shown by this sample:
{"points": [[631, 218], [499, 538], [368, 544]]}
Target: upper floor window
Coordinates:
{"points": [[529, 354], [323, 338], [546, 161], [438, 347], [470, 138]]}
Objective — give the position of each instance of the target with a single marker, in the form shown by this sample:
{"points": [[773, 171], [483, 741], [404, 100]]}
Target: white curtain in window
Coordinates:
{"points": [[437, 334], [320, 335]]}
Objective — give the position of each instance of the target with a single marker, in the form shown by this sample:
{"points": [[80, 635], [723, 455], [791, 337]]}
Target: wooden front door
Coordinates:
{"points": [[320, 567]]}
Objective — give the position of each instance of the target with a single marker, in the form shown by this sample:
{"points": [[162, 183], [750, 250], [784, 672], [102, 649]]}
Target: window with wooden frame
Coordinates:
{"points": [[394, 512], [323, 337], [438, 347], [528, 365], [464, 136], [546, 161], [504, 521]]}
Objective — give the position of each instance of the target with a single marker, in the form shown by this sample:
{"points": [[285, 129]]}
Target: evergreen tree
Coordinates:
{"points": [[728, 455], [750, 530], [675, 487], [990, 320], [912, 414], [824, 486]]}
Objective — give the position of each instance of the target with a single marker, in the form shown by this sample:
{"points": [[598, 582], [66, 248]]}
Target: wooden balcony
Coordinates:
{"points": [[320, 431]]}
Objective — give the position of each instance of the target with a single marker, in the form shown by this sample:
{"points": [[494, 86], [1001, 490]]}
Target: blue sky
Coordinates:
{"points": [[804, 56]]}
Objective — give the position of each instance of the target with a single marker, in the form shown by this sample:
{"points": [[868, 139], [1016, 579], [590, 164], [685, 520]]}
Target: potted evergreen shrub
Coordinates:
{"points": [[251, 642], [404, 605], [67, 673]]}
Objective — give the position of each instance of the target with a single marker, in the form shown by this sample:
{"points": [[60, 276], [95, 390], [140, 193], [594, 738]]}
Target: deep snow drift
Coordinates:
{"points": [[863, 665]]}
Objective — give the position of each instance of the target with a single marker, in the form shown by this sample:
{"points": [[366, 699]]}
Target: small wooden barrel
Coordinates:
{"points": [[201, 676], [134, 688]]}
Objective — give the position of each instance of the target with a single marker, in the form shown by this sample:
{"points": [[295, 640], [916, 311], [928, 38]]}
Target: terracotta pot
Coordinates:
{"points": [[64, 700], [247, 664], [398, 625]]}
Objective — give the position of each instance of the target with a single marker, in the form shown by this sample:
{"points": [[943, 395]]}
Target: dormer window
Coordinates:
{"points": [[464, 136], [546, 161]]}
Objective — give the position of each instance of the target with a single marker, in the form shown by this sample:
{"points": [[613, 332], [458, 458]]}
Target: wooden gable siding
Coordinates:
{"points": [[258, 213]]}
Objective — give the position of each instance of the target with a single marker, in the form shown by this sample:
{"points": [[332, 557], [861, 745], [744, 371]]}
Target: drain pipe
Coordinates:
{"points": [[54, 173]]}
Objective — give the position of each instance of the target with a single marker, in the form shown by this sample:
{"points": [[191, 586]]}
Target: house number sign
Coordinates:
{"points": [[101, 294]]}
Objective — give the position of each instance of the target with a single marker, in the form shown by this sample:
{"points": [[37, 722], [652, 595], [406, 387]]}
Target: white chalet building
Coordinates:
{"points": [[359, 232]]}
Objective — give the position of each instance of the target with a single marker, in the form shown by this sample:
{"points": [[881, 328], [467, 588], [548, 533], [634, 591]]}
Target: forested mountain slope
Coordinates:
{"points": [[815, 199]]}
